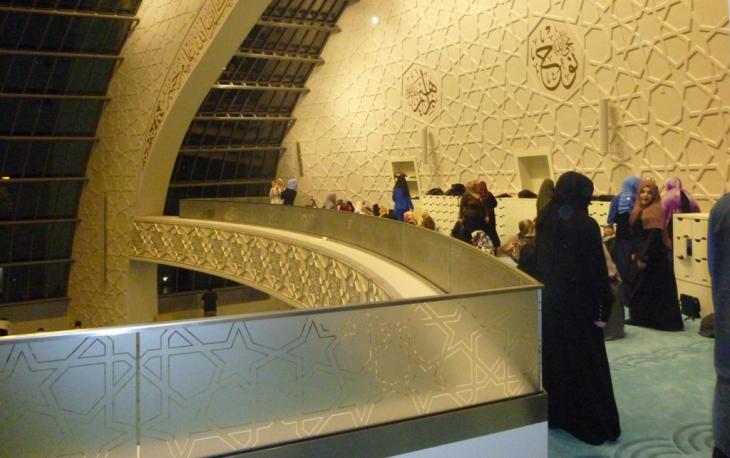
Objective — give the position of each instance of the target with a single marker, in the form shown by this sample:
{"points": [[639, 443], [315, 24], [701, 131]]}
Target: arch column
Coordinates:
{"points": [[170, 62]]}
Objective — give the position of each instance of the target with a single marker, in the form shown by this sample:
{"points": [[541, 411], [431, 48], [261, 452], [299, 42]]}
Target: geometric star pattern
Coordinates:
{"points": [[664, 67], [302, 276], [68, 396], [218, 387], [185, 390]]}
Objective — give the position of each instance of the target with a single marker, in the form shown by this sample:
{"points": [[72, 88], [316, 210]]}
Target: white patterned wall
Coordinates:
{"points": [[663, 64], [159, 57]]}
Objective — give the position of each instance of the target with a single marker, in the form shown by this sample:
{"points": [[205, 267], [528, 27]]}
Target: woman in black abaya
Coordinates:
{"points": [[653, 297], [576, 301]]}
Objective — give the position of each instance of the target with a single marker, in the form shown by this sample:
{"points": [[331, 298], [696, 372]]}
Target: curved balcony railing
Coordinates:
{"points": [[448, 263], [267, 381]]}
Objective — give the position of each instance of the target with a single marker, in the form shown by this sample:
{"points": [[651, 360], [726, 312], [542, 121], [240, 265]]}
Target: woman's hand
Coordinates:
{"points": [[486, 219], [600, 324]]}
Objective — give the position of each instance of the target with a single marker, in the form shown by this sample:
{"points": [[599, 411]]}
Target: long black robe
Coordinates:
{"points": [[571, 264], [653, 295], [491, 226]]}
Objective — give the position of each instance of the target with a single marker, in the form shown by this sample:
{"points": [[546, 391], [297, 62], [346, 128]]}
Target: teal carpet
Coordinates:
{"points": [[663, 383]]}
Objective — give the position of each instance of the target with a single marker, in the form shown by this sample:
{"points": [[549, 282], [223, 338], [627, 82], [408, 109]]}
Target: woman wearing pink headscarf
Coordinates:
{"points": [[676, 200]]}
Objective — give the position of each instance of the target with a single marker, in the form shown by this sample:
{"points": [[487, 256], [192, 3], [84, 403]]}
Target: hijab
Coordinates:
{"points": [[472, 187], [292, 184], [410, 217], [483, 190], [362, 208], [573, 190], [330, 202], [672, 200], [652, 214], [527, 228], [627, 196], [401, 183], [545, 194]]}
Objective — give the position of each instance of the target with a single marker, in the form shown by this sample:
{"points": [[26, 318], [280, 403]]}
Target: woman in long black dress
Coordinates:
{"points": [[576, 301], [490, 202], [653, 295], [473, 212]]}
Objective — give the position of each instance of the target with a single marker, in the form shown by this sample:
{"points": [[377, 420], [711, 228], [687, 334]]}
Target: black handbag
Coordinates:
{"points": [[690, 306]]}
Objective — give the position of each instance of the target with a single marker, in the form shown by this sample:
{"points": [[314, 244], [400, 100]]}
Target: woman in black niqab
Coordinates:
{"points": [[576, 301]]}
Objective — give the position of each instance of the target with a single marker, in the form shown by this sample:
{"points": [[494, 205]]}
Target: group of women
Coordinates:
{"points": [[643, 249], [577, 298], [283, 195], [569, 258]]}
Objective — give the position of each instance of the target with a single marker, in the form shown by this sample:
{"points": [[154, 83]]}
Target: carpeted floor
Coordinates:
{"points": [[663, 382]]}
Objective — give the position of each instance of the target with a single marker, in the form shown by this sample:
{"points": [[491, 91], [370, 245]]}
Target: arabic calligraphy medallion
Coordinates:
{"points": [[421, 92], [554, 57]]}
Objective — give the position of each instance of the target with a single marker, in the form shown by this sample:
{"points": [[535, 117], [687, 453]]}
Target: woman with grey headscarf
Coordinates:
{"points": [[330, 202], [718, 260]]}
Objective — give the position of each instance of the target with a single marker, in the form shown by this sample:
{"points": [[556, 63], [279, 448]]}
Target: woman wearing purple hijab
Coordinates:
{"points": [[676, 200]]}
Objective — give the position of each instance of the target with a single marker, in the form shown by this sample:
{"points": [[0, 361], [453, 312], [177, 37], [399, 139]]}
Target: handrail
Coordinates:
{"points": [[448, 263], [312, 312], [169, 386], [192, 385]]}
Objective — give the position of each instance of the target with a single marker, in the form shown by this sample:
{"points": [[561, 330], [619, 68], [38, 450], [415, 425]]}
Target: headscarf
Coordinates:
{"points": [[427, 221], [472, 187], [627, 197], [573, 190], [362, 208], [545, 194], [409, 217], [330, 202], [400, 182], [672, 199], [527, 228], [483, 190], [292, 184], [652, 214]]}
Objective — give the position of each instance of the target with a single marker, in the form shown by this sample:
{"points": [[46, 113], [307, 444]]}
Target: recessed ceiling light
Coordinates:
{"points": [[375, 20]]}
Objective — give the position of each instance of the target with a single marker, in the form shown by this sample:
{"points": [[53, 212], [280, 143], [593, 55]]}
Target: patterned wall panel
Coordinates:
{"points": [[223, 385], [69, 396], [663, 65], [302, 276], [220, 387], [159, 55]]}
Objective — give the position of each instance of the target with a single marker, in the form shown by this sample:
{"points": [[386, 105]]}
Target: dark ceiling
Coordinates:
{"points": [[233, 145], [56, 60]]}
